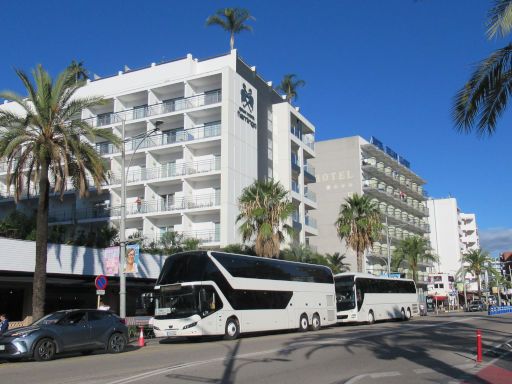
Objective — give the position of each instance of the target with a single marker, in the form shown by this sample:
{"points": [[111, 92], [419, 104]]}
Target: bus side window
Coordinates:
{"points": [[209, 301]]}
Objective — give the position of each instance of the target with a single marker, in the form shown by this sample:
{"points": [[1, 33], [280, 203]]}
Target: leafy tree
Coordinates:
{"points": [[171, 241], [336, 262], [264, 208], [477, 262], [191, 244], [289, 86], [483, 99], [299, 252], [241, 249], [410, 253], [359, 225], [45, 141], [231, 20], [17, 225]]}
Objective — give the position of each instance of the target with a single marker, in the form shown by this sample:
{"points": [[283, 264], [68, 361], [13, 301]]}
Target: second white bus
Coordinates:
{"points": [[366, 298], [215, 293]]}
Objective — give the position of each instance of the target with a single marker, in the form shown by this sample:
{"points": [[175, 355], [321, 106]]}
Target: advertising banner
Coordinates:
{"points": [[110, 261], [132, 258]]}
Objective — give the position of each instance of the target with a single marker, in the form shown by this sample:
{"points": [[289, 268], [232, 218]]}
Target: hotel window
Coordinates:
{"points": [[140, 111]]}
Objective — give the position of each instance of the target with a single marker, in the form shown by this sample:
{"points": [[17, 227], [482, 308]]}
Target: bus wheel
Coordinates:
{"points": [[315, 323], [408, 314], [303, 323], [371, 317], [402, 314], [232, 329]]}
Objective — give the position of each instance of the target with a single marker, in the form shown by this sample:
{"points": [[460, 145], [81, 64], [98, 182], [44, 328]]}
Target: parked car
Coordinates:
{"points": [[78, 330], [477, 306]]}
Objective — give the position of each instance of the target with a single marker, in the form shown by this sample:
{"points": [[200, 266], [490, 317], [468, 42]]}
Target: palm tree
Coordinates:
{"points": [[483, 99], [79, 70], [359, 225], [232, 20], [299, 252], [477, 262], [45, 141], [289, 86], [264, 208], [411, 252], [336, 262]]}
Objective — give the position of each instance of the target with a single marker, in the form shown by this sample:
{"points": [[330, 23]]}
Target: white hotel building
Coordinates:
{"points": [[220, 127]]}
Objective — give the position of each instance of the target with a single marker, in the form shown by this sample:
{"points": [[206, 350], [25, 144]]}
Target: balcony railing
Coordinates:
{"points": [[295, 187], [169, 137], [395, 199], [147, 207], [309, 194], [309, 169], [157, 109], [310, 222], [169, 170], [204, 236]]}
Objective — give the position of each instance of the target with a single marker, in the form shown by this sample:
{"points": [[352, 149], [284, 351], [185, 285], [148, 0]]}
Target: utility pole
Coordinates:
{"points": [[122, 232]]}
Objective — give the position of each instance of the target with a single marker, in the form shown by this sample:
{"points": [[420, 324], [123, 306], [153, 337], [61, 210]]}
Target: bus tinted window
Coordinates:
{"points": [[183, 267], [261, 268]]}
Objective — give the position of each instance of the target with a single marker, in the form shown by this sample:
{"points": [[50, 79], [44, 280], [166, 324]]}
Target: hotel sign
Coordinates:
{"points": [[245, 111]]}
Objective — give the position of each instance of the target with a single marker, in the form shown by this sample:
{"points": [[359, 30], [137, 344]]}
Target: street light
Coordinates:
{"points": [[122, 224]]}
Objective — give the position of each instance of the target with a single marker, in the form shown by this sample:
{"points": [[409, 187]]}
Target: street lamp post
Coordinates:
{"points": [[122, 224]]}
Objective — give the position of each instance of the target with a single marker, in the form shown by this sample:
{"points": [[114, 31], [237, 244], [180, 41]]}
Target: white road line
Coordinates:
{"points": [[384, 374], [145, 375]]}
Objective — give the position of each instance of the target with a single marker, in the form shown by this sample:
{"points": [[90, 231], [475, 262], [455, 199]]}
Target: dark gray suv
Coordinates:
{"points": [[79, 330]]}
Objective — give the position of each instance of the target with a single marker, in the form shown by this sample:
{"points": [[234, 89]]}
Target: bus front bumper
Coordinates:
{"points": [[188, 332]]}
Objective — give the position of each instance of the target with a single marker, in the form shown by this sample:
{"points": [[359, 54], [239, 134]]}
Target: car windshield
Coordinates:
{"points": [[176, 303], [52, 318]]}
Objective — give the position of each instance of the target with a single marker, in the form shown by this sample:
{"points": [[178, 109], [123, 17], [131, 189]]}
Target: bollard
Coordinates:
{"points": [[141, 337], [478, 346]]}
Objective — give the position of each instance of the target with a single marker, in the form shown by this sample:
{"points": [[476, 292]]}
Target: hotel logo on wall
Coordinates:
{"points": [[245, 111]]}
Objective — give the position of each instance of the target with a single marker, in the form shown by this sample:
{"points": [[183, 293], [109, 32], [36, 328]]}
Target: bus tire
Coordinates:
{"points": [[408, 314], [315, 322], [303, 323], [403, 317], [232, 329], [371, 317]]}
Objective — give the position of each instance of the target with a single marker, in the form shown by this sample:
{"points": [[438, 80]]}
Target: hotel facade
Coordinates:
{"points": [[197, 132], [351, 165]]}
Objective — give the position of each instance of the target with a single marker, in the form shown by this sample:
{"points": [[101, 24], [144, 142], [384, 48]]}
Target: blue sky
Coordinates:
{"points": [[383, 68]]}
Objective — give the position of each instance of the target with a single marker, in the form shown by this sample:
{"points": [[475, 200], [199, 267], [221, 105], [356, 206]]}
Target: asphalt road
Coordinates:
{"points": [[439, 349]]}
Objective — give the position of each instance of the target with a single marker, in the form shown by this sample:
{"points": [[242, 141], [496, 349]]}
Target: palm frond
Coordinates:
{"points": [[499, 19]]}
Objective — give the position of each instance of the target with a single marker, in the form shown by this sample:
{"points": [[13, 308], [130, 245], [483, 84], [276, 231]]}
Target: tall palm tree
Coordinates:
{"points": [[79, 70], [477, 262], [410, 253], [359, 225], [483, 99], [336, 262], [264, 208], [289, 86], [231, 20], [43, 145]]}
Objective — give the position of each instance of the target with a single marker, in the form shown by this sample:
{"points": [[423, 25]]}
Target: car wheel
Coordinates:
{"points": [[116, 343], [303, 323], [44, 350], [315, 323], [232, 329]]}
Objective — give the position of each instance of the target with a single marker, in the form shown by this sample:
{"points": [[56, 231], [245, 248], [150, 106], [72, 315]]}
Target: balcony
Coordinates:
{"points": [[295, 187], [204, 236], [418, 228], [393, 178], [169, 170], [208, 98], [310, 222], [166, 138], [147, 207], [309, 194], [309, 173], [392, 198]]}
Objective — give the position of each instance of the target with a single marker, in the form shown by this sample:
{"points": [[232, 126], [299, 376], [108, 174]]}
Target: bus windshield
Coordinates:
{"points": [[174, 304], [345, 298]]}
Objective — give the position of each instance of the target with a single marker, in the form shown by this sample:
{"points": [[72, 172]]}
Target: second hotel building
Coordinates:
{"points": [[197, 132]]}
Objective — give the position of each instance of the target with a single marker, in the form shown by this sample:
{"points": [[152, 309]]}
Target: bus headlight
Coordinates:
{"points": [[190, 325]]}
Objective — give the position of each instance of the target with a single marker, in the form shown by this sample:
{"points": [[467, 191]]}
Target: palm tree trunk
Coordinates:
{"points": [[232, 41], [39, 284], [479, 286], [359, 261]]}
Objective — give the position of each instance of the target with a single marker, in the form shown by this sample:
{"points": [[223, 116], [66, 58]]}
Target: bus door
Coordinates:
{"points": [[210, 306]]}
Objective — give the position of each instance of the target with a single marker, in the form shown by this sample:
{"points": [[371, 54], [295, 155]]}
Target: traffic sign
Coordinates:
{"points": [[100, 291], [101, 282]]}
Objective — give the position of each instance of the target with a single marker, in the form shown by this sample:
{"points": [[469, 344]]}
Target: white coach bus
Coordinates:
{"points": [[204, 293], [366, 298]]}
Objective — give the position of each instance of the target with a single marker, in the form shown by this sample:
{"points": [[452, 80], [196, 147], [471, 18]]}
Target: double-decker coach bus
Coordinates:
{"points": [[215, 293], [366, 298]]}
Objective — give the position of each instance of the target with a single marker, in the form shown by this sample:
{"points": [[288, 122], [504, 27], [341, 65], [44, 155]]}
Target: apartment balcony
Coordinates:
{"points": [[166, 107], [309, 194], [391, 198], [309, 173], [295, 165], [169, 171], [396, 220], [295, 187], [296, 224], [145, 208], [394, 180], [373, 151], [162, 139], [310, 222], [204, 236]]}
